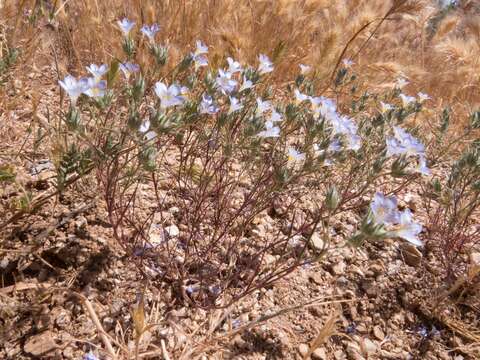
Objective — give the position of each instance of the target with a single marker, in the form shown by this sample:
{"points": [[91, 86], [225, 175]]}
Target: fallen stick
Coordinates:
{"points": [[98, 325]]}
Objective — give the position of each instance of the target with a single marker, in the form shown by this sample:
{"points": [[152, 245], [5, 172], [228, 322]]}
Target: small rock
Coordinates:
{"points": [[339, 268], [354, 351], [411, 254], [317, 242], [378, 332], [270, 259], [316, 278], [172, 230], [475, 258], [362, 328], [40, 344], [239, 342], [81, 222], [368, 346], [370, 288], [319, 354], [303, 349]]}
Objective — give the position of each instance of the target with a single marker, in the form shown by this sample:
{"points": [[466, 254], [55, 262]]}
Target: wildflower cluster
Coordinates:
{"points": [[214, 148]]}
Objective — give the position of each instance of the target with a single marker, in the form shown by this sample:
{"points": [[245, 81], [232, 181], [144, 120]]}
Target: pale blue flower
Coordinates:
{"points": [[97, 71], [126, 26], [207, 106], [335, 146], [200, 61], [384, 209], [149, 136], [199, 55], [235, 105], [385, 107], [128, 69], [265, 65], [407, 100], [294, 156], [324, 107], [247, 84], [348, 63], [422, 97], [404, 144], [394, 147], [299, 97], [305, 69], [90, 356], [169, 96], [275, 116], [73, 87], [225, 82], [150, 31], [422, 166], [201, 48], [401, 82], [233, 66], [262, 106], [96, 88], [345, 126], [271, 131], [407, 229], [145, 126]]}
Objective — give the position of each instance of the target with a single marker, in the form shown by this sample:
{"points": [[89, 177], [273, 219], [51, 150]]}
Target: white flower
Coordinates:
{"points": [[305, 69], [200, 61], [407, 229], [126, 26], [235, 105], [224, 81], [385, 107], [73, 87], [348, 63], [401, 82], [271, 131], [423, 97], [324, 107], [145, 126], [275, 116], [97, 71], [198, 56], [169, 96], [295, 156], [96, 88], [150, 135], [422, 166], [129, 68], [207, 106], [345, 126], [265, 65], [247, 84], [403, 143], [201, 48], [150, 31], [262, 106], [384, 209], [233, 66], [299, 97], [407, 100]]}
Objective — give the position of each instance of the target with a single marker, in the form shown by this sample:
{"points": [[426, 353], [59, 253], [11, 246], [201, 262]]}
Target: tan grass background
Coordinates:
{"points": [[443, 63]]}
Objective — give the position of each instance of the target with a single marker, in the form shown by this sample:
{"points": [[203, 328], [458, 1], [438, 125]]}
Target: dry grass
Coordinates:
{"points": [[443, 63]]}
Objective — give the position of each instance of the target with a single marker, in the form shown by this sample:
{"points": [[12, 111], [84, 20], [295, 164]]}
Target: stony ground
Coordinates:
{"points": [[380, 299], [377, 302]]}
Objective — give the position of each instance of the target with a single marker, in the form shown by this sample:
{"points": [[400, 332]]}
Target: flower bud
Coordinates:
{"points": [[332, 199]]}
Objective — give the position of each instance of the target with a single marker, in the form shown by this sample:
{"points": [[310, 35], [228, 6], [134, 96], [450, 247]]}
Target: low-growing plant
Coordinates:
{"points": [[189, 160], [452, 205]]}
